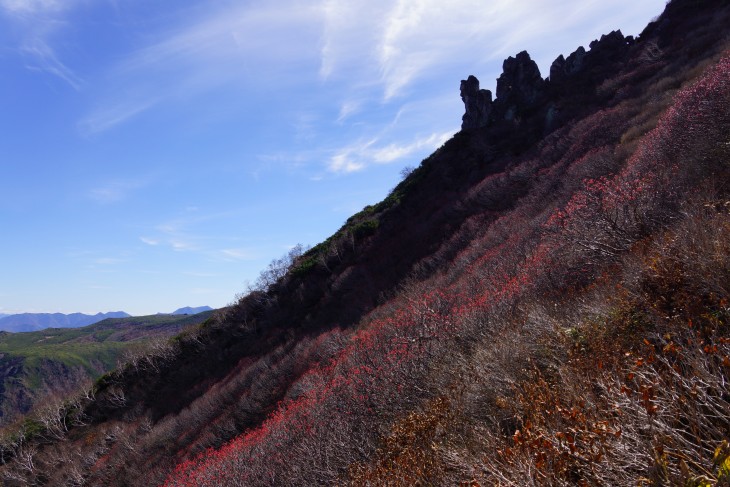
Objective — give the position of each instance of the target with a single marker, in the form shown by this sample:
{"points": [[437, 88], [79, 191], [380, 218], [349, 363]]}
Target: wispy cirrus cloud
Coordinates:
{"points": [[38, 23], [107, 261], [363, 53], [34, 7], [358, 156], [392, 53], [348, 108], [237, 254], [150, 241], [190, 232], [178, 242], [176, 235], [181, 244], [110, 115], [348, 33], [42, 58], [394, 152], [351, 158], [116, 190], [389, 45], [237, 46], [393, 45]]}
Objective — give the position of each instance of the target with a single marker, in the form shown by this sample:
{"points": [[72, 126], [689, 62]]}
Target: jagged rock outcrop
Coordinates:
{"points": [[519, 87], [522, 92], [563, 68], [478, 104], [613, 42], [610, 48]]}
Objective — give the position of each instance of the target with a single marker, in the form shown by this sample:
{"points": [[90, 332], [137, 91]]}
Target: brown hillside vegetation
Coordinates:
{"points": [[544, 301]]}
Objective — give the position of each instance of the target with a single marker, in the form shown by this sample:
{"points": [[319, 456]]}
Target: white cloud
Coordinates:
{"points": [[361, 51], [42, 58], [348, 108], [350, 29], [237, 254], [241, 46], [394, 152], [182, 245], [305, 125], [40, 22], [150, 241], [358, 156], [351, 158], [189, 233], [175, 235], [111, 115], [395, 44], [390, 44], [345, 162], [35, 7], [116, 191], [382, 46]]}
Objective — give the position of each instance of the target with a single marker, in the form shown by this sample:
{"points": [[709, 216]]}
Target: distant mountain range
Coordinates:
{"points": [[38, 321], [191, 311], [37, 365]]}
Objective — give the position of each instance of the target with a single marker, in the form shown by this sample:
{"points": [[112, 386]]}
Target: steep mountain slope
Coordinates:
{"points": [[543, 301], [42, 366]]}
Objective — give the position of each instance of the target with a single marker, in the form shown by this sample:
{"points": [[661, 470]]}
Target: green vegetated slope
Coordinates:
{"points": [[46, 365], [543, 301]]}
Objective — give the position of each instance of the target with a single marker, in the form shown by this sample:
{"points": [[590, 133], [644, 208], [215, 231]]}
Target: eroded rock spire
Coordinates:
{"points": [[478, 104]]}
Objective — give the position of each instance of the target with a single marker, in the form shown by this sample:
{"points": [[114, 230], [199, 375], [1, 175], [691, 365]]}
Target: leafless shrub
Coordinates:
{"points": [[651, 53], [116, 397], [278, 268]]}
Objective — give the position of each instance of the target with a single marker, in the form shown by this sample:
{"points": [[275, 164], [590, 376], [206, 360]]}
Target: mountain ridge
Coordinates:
{"points": [[532, 305], [190, 310], [22, 322]]}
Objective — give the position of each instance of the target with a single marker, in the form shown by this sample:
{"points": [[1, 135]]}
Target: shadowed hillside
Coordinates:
{"points": [[543, 301]]}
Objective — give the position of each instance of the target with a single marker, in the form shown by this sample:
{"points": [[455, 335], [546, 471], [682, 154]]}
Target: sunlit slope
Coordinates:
{"points": [[543, 301]]}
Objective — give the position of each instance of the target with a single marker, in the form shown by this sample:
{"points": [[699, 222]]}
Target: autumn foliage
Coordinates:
{"points": [[564, 320]]}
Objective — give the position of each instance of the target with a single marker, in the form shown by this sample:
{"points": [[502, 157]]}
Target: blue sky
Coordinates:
{"points": [[159, 153]]}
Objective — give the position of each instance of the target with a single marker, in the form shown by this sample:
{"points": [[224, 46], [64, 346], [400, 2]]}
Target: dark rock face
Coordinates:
{"points": [[519, 88], [563, 68], [613, 41], [478, 104], [609, 48], [520, 85], [522, 92]]}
